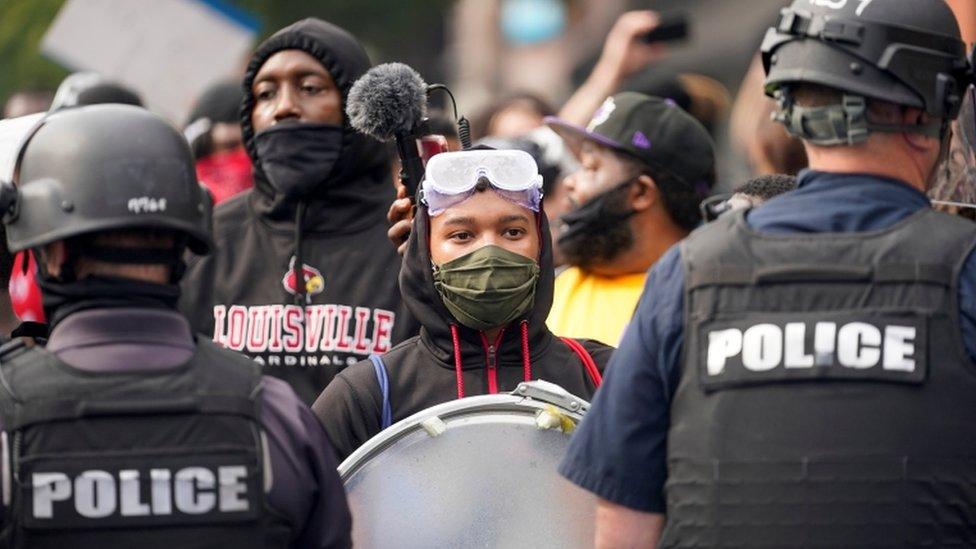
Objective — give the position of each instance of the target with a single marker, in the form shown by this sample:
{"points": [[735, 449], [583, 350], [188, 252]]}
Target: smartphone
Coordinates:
{"points": [[674, 27]]}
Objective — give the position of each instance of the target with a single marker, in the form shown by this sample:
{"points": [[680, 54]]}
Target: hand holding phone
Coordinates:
{"points": [[673, 27]]}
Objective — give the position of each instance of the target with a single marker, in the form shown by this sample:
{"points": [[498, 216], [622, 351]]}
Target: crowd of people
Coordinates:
{"points": [[215, 316]]}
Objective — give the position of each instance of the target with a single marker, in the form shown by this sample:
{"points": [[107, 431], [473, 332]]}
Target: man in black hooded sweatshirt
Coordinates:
{"points": [[484, 239], [303, 278]]}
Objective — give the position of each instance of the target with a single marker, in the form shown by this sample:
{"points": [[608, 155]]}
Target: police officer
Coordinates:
{"points": [[126, 430], [801, 374]]}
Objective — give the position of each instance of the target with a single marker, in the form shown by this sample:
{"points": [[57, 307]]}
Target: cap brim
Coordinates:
{"points": [[575, 135]]}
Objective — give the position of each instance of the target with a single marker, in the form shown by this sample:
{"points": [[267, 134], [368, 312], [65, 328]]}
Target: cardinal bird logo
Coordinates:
{"points": [[313, 279]]}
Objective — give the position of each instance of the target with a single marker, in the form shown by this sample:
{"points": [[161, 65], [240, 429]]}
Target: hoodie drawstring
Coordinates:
{"points": [[298, 269], [526, 361], [457, 360], [459, 372]]}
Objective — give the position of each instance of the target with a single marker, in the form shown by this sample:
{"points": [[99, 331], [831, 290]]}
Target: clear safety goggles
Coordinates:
{"points": [[451, 178]]}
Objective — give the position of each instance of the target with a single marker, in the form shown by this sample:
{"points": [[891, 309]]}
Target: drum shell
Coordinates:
{"points": [[488, 480]]}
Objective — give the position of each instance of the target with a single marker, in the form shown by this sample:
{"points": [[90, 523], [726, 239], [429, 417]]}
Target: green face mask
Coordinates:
{"points": [[487, 288]]}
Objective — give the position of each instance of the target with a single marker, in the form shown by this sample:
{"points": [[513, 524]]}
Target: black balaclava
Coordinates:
{"points": [[358, 190], [67, 294]]}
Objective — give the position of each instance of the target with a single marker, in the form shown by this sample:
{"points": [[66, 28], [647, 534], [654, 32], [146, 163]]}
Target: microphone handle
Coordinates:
{"points": [[411, 164]]}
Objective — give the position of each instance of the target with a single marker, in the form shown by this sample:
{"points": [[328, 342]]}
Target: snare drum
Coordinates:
{"points": [[475, 472]]}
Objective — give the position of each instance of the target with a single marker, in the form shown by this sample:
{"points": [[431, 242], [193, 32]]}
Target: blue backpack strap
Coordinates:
{"points": [[386, 416]]}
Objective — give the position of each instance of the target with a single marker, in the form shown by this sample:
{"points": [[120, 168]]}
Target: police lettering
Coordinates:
{"points": [[854, 345], [99, 494]]}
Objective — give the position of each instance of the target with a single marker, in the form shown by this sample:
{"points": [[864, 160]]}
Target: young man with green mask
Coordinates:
{"points": [[478, 275]]}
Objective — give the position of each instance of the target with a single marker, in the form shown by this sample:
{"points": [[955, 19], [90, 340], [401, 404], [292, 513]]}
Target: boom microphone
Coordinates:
{"points": [[388, 103], [389, 99]]}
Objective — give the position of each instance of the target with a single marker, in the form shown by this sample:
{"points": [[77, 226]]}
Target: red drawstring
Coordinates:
{"points": [[459, 372], [526, 361], [588, 364], [457, 361]]}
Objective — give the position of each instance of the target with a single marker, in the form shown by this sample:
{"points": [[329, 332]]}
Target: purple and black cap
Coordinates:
{"points": [[655, 131]]}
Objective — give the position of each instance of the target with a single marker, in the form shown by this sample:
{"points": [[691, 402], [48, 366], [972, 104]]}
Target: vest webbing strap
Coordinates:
{"points": [[745, 275], [45, 411]]}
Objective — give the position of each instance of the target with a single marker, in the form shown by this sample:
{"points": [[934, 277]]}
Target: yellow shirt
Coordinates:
{"points": [[588, 306]]}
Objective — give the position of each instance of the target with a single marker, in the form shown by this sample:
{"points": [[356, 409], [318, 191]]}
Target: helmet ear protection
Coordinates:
{"points": [[844, 124]]}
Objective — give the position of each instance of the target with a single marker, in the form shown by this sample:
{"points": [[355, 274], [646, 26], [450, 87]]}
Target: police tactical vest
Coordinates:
{"points": [[171, 459], [826, 397]]}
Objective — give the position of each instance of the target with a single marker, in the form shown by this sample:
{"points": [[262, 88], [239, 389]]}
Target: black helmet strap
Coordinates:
{"points": [[843, 124]]}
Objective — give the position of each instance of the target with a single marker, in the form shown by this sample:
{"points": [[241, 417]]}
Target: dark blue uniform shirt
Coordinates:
{"points": [[619, 451]]}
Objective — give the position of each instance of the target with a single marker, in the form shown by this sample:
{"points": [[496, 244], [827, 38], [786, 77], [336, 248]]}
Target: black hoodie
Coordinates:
{"points": [[243, 294], [423, 370]]}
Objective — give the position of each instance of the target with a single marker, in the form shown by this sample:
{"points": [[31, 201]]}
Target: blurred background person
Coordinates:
{"points": [[90, 88], [499, 46], [645, 167], [555, 161], [748, 195], [214, 132], [512, 116], [766, 145]]}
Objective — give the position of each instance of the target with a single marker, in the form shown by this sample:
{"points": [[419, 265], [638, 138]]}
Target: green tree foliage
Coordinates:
{"points": [[405, 30], [22, 26]]}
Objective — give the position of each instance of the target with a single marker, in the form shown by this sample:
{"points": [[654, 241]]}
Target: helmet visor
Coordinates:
{"points": [[955, 185]]}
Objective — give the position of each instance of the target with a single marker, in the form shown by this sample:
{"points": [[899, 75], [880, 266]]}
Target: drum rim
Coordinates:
{"points": [[516, 401]]}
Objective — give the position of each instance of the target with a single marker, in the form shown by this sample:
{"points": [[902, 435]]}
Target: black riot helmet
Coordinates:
{"points": [[905, 52], [103, 168]]}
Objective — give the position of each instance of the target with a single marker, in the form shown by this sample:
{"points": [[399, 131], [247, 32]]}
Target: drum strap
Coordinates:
{"points": [[386, 415], [591, 368]]}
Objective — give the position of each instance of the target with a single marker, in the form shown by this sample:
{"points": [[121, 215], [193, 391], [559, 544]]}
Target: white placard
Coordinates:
{"points": [[13, 133], [169, 51]]}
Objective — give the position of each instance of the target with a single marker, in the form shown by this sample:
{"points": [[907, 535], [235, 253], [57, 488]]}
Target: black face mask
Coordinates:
{"points": [[599, 230], [298, 157], [61, 299]]}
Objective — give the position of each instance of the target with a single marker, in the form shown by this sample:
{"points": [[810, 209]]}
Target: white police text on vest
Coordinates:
{"points": [[97, 494], [805, 346]]}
